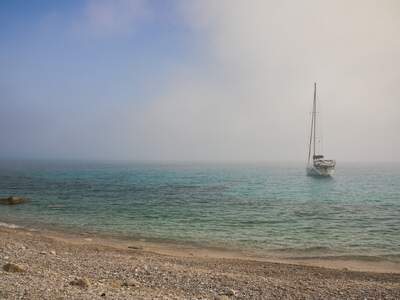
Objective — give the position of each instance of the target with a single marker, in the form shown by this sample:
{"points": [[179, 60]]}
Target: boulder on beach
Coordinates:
{"points": [[13, 200], [13, 268]]}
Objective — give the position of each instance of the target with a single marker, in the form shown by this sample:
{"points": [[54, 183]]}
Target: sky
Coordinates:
{"points": [[195, 80]]}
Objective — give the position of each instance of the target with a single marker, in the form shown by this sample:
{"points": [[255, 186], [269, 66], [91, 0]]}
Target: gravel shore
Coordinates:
{"points": [[43, 265]]}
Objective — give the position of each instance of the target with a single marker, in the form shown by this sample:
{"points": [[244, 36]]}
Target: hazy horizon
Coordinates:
{"points": [[199, 81]]}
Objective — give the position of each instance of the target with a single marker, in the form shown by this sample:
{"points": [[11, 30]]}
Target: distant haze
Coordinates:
{"points": [[199, 80]]}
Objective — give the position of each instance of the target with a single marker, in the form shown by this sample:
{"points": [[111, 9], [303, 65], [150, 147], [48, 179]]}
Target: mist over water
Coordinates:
{"points": [[198, 80], [261, 207]]}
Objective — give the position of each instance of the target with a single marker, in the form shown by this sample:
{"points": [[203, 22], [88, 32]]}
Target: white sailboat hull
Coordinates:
{"points": [[324, 172]]}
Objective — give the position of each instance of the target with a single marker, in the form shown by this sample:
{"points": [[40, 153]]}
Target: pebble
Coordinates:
{"points": [[81, 282], [230, 292], [130, 282]]}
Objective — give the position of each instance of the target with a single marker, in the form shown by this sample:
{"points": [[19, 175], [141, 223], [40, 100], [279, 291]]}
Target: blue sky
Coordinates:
{"points": [[58, 66], [198, 80], [47, 46]]}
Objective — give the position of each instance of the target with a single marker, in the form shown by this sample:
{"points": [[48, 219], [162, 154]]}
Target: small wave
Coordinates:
{"points": [[365, 258], [9, 225], [300, 250]]}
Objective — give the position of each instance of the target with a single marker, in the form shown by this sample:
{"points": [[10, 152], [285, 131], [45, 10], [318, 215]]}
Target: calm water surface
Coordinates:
{"points": [[262, 207]]}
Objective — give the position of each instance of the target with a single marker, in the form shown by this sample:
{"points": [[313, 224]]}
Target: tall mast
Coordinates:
{"points": [[315, 112], [312, 131]]}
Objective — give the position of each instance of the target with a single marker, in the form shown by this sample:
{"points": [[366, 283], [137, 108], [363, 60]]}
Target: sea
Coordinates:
{"points": [[261, 207]]}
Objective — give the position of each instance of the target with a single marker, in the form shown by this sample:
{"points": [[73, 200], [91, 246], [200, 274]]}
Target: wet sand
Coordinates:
{"points": [[59, 265]]}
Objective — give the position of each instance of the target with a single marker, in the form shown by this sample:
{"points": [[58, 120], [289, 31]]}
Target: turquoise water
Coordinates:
{"points": [[262, 207]]}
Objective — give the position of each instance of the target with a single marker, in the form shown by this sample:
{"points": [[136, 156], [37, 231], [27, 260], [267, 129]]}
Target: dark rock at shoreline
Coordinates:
{"points": [[135, 247], [13, 200]]}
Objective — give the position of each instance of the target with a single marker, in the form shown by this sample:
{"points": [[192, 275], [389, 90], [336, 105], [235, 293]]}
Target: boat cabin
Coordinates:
{"points": [[319, 156]]}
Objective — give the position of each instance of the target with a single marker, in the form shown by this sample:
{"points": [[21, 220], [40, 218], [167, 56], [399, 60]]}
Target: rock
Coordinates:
{"points": [[13, 200], [230, 292], [222, 297], [13, 268], [135, 247], [52, 252], [130, 282], [81, 282], [114, 283], [3, 295]]}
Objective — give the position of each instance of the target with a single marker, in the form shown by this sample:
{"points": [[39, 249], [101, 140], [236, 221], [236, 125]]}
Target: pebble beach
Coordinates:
{"points": [[56, 265]]}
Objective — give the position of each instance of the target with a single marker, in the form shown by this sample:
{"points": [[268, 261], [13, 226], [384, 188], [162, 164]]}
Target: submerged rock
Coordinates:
{"points": [[13, 268], [13, 200]]}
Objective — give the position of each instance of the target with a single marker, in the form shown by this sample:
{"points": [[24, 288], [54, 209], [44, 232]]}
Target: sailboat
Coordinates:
{"points": [[317, 165]]}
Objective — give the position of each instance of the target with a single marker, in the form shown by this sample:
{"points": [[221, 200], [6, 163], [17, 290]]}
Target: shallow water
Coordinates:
{"points": [[261, 207]]}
